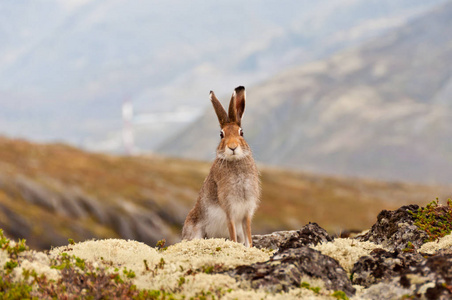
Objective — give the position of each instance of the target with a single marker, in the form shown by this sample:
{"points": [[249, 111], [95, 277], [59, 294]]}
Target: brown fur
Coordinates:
{"points": [[230, 194]]}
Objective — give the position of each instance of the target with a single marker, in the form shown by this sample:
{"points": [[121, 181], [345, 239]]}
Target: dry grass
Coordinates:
{"points": [[335, 203], [289, 200]]}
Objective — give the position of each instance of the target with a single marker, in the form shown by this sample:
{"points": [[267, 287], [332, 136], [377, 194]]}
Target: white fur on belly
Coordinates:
{"points": [[216, 223], [217, 226]]}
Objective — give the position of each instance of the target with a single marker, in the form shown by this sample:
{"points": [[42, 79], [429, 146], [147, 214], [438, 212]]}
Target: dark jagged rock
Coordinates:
{"points": [[383, 265], [429, 279], [310, 234], [273, 240], [287, 268], [394, 229], [444, 251], [14, 224], [438, 270]]}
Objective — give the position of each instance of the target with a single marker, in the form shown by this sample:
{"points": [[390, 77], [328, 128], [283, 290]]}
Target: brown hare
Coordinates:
{"points": [[230, 193]]}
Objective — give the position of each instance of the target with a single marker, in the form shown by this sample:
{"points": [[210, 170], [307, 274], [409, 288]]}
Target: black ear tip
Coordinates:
{"points": [[211, 92], [239, 88]]}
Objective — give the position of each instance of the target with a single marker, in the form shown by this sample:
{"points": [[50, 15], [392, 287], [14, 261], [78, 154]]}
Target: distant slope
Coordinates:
{"points": [[75, 62], [49, 193], [383, 110]]}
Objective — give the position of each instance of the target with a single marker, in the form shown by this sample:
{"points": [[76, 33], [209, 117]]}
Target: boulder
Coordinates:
{"points": [[429, 279], [437, 271], [273, 240], [309, 235], [286, 269], [382, 265], [394, 229]]}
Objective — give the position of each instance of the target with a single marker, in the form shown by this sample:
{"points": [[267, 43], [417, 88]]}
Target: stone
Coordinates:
{"points": [[272, 240], [286, 269], [309, 235], [394, 229], [438, 270], [382, 265]]}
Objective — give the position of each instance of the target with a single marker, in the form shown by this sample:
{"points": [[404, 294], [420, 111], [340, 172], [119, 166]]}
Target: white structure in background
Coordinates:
{"points": [[180, 115], [127, 130]]}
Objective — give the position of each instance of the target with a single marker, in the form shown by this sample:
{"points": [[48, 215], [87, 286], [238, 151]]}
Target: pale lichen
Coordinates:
{"points": [[38, 262], [346, 251], [432, 247], [4, 257], [186, 259]]}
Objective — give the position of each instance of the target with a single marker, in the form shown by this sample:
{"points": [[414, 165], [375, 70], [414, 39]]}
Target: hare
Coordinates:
{"points": [[230, 193]]}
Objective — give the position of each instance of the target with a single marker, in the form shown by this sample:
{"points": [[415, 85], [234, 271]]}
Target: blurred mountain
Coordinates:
{"points": [[49, 193], [67, 66], [382, 110]]}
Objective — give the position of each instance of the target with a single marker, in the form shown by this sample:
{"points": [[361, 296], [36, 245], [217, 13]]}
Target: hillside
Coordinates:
{"points": [[382, 110], [49, 193]]}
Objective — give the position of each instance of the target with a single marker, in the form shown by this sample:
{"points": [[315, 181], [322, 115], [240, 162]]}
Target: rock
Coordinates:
{"points": [[429, 279], [394, 229], [386, 291], [92, 206], [438, 270], [382, 265], [272, 240], [145, 225], [172, 210], [14, 224], [287, 268], [35, 193], [310, 234], [444, 251]]}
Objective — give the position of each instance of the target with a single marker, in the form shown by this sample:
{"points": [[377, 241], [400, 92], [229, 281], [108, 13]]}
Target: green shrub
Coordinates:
{"points": [[306, 285], [13, 251], [13, 290], [340, 295], [435, 219]]}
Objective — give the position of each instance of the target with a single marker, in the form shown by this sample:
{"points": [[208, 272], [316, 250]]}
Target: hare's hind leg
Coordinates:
{"points": [[192, 231], [232, 231], [246, 225], [241, 235]]}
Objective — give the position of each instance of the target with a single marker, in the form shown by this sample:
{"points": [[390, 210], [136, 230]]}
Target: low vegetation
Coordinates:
{"points": [[435, 219], [125, 269], [184, 271]]}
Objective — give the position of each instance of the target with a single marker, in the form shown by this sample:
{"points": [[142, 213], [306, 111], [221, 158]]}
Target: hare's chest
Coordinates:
{"points": [[243, 187], [241, 193]]}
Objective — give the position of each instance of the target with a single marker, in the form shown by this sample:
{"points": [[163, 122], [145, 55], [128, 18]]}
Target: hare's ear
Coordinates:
{"points": [[238, 102], [219, 110], [232, 113]]}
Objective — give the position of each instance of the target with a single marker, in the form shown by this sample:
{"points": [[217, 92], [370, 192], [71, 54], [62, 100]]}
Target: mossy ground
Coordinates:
{"points": [[119, 269]]}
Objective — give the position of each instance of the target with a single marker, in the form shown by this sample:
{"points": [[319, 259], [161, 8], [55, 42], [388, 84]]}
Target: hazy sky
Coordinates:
{"points": [[67, 66]]}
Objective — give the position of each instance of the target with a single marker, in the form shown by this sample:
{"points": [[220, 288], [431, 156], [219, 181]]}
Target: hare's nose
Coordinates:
{"points": [[232, 148]]}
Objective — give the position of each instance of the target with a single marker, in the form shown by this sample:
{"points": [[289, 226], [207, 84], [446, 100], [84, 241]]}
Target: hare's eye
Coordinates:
{"points": [[241, 132], [222, 134]]}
